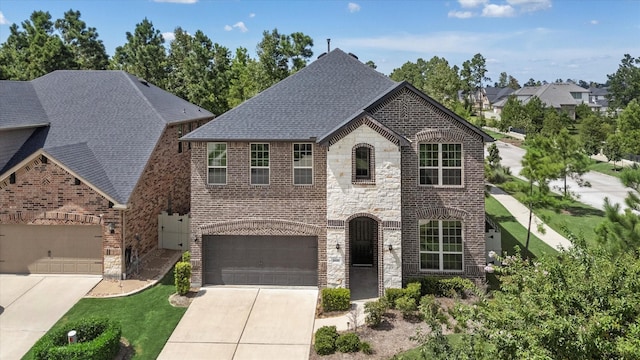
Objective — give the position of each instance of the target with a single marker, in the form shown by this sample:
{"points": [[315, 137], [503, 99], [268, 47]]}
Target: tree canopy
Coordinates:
{"points": [[624, 84]]}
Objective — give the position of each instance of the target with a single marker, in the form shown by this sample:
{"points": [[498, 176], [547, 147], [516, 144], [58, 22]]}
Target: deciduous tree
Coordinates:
{"points": [[593, 133], [613, 148]]}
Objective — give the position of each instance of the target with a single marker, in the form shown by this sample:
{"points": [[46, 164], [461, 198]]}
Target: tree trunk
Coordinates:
{"points": [[526, 246]]}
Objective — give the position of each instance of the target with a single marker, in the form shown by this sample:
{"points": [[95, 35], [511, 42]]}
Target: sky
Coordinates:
{"points": [[539, 39]]}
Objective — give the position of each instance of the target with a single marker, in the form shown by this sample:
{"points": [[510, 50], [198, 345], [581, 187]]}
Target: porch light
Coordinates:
{"points": [[337, 246], [112, 228], [390, 246]]}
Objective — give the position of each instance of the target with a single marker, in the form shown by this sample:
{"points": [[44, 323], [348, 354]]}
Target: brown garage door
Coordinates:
{"points": [[51, 249], [261, 260]]}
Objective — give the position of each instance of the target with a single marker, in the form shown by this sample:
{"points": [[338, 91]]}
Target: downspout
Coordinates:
{"points": [[123, 248]]}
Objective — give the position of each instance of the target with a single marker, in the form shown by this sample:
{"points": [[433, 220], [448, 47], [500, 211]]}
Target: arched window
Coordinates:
{"points": [[363, 169]]}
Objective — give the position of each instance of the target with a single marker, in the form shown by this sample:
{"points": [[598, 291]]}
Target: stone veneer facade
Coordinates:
{"points": [[379, 199], [45, 193]]}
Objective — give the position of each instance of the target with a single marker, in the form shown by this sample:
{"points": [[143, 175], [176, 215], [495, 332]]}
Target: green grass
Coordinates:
{"points": [[578, 218], [414, 354], [606, 168], [147, 318], [495, 135], [512, 233]]}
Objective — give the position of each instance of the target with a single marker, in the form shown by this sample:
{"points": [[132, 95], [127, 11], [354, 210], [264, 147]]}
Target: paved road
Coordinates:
{"points": [[31, 304], [601, 185]]}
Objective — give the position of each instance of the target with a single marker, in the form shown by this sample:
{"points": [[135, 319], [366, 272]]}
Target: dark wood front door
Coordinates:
{"points": [[362, 234]]}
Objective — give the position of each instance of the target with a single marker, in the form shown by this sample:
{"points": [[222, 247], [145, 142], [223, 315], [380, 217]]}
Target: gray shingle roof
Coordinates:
{"points": [[310, 104], [104, 125], [305, 105], [554, 95], [20, 106]]}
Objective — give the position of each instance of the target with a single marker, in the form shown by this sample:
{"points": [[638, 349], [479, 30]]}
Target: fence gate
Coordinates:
{"points": [[173, 231]]}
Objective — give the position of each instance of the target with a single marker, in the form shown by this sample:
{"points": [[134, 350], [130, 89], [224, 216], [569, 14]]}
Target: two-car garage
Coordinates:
{"points": [[51, 249], [260, 260]]}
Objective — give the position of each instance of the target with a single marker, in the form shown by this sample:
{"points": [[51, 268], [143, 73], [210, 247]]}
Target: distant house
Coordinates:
{"points": [[335, 172], [88, 160], [494, 94], [598, 98], [560, 96]]}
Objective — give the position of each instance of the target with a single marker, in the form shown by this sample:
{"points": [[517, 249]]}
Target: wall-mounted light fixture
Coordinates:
{"points": [[195, 238], [337, 246], [390, 246], [112, 228]]}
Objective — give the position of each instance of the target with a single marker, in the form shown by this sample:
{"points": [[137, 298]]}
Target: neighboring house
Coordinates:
{"points": [[598, 100], [88, 159], [494, 94], [560, 96], [334, 169]]}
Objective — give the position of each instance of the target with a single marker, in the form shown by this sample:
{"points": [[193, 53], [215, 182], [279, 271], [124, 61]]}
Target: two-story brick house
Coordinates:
{"points": [[334, 169], [88, 159]]}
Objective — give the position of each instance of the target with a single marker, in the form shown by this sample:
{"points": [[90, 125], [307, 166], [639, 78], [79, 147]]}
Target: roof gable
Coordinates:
{"points": [[305, 105], [104, 125]]}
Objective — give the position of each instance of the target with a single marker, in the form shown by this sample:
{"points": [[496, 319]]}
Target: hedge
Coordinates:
{"points": [[336, 299], [97, 339]]}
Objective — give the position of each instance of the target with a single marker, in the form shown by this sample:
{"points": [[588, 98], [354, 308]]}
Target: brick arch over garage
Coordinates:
{"points": [[441, 213], [50, 217], [260, 227]]}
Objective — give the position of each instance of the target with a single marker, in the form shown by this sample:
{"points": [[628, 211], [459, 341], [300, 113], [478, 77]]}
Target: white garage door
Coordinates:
{"points": [[51, 249]]}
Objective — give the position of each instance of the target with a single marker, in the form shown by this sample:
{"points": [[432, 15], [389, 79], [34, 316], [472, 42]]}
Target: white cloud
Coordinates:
{"points": [[228, 28], [252, 15], [530, 5], [493, 10], [168, 36], [353, 7], [177, 1], [240, 26], [594, 22], [3, 20], [471, 3], [460, 14]]}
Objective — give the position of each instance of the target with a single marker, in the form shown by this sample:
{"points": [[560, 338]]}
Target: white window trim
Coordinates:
{"points": [[294, 167], [260, 167], [226, 149], [440, 252], [441, 167]]}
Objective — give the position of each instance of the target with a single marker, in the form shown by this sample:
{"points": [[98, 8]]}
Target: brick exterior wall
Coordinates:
{"points": [[45, 193], [165, 183], [239, 208], [417, 120]]}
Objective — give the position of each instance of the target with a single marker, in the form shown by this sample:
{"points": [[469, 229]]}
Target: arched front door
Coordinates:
{"points": [[363, 233]]}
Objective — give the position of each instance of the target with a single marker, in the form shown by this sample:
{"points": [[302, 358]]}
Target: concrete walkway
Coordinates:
{"points": [[245, 323], [31, 304], [521, 213]]}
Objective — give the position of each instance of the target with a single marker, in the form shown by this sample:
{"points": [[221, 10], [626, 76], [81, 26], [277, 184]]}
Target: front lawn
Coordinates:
{"points": [[578, 218], [147, 318], [606, 168]]}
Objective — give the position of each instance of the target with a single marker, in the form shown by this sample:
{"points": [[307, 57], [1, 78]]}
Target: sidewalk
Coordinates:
{"points": [[521, 213], [154, 266]]}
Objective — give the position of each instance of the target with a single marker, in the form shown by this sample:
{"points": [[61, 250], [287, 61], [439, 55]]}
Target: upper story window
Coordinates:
{"points": [[576, 95], [441, 245], [259, 164], [440, 164], [363, 164], [217, 163], [302, 164]]}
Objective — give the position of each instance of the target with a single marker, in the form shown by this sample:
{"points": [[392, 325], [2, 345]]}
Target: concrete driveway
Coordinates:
{"points": [[32, 304], [245, 323]]}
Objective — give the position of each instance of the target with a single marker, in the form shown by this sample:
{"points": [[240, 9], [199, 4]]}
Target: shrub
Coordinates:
{"points": [[428, 307], [406, 305], [348, 342], [455, 286], [325, 343], [98, 338], [391, 294], [182, 275], [366, 348], [374, 310], [413, 291], [186, 256], [336, 299], [428, 285]]}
